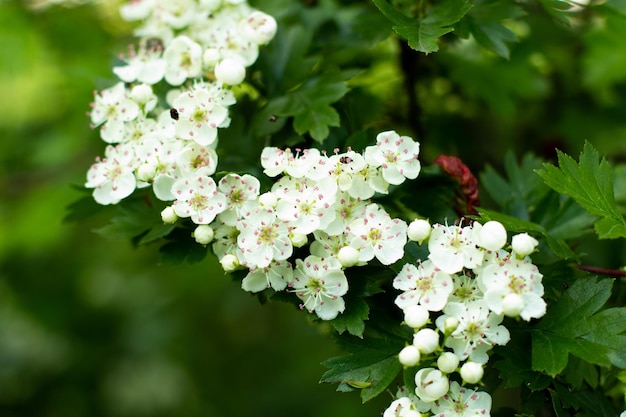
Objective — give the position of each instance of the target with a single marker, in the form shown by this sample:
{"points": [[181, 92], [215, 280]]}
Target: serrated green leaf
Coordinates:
{"points": [[422, 33], [590, 183], [353, 318], [373, 364], [316, 121], [575, 326]]}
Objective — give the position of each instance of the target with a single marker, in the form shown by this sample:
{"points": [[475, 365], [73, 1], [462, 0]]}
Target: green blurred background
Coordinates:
{"points": [[92, 327]]}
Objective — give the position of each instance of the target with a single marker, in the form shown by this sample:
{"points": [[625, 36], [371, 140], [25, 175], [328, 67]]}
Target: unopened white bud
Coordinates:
{"points": [[512, 305], [492, 236], [268, 200], [258, 28], [210, 57], [229, 263], [426, 340], [348, 256], [230, 71], [416, 316], [472, 372], [409, 356], [447, 362], [146, 172], [141, 93], [450, 324], [523, 244], [168, 215], [203, 234], [298, 240], [419, 230]]}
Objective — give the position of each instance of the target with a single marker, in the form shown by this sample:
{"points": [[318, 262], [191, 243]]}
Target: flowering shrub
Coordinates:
{"points": [[445, 311]]}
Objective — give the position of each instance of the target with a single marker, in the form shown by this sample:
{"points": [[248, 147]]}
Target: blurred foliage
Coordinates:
{"points": [[90, 326]]}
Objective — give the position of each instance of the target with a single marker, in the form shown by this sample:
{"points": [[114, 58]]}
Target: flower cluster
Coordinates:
{"points": [[199, 50], [456, 301], [319, 200]]}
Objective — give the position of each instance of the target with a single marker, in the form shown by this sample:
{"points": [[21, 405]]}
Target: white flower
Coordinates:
{"points": [[425, 285], [112, 108], [431, 384], [241, 192], [198, 198], [199, 116], [347, 210], [523, 244], [462, 402], [258, 28], [276, 161], [263, 238], [145, 66], [112, 177], [376, 234], [183, 59], [401, 407], [465, 289], [453, 248], [397, 155], [277, 275], [511, 282], [477, 332], [320, 283]]}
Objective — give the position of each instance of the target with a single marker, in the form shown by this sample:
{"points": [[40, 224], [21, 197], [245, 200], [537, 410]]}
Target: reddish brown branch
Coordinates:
{"points": [[603, 271]]}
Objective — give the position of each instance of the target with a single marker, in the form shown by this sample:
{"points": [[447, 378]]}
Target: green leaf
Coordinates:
{"points": [[353, 318], [575, 325], [422, 33], [372, 365], [485, 23], [316, 121], [590, 183]]}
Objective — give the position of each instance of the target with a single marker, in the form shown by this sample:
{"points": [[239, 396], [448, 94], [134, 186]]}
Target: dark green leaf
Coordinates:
{"points": [[590, 183], [574, 325]]}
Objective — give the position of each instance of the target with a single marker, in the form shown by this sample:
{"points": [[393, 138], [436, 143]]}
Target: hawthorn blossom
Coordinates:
{"points": [[453, 248], [478, 330], [198, 198], [263, 238], [397, 155], [241, 193], [111, 109], [112, 177], [462, 402], [145, 65], [347, 210], [199, 116], [376, 234], [183, 59], [277, 275], [401, 407], [320, 283], [424, 284], [513, 287]]}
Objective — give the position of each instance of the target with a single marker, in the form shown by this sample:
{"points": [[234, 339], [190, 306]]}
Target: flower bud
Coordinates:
{"points": [[268, 200], [298, 240], [229, 263], [426, 340], [419, 230], [168, 215], [472, 372], [492, 236], [141, 93], [431, 384], [447, 362], [210, 57], [203, 234], [409, 356], [348, 256], [450, 324], [523, 244], [230, 71], [416, 316], [258, 28], [146, 172], [512, 305]]}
